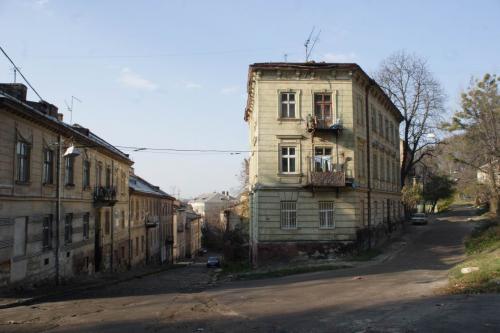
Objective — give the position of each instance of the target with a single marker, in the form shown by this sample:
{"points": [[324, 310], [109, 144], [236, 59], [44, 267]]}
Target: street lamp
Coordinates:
{"points": [[70, 152]]}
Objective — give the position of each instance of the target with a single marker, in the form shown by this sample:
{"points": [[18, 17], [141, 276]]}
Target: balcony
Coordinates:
{"points": [[328, 179], [152, 221], [105, 196], [329, 124]]}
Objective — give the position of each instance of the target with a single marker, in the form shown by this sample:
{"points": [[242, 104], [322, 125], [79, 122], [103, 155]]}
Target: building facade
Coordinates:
{"points": [[62, 213], [151, 228], [188, 233], [324, 162]]}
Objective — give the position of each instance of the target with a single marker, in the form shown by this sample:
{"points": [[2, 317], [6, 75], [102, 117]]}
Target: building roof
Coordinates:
{"points": [[27, 109], [137, 184], [315, 66], [212, 197]]}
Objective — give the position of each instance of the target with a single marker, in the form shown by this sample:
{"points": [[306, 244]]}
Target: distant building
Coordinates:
{"points": [[325, 157], [151, 223], [187, 231], [483, 174], [209, 206], [60, 216]]}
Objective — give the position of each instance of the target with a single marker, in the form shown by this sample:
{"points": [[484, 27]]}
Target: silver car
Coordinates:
{"points": [[419, 218]]}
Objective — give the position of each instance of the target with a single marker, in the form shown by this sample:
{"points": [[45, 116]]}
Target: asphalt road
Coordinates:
{"points": [[400, 294]]}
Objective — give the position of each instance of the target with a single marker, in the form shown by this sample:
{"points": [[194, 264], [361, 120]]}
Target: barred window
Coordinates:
{"points": [[288, 105], [288, 214], [86, 225], [47, 232], [326, 210]]}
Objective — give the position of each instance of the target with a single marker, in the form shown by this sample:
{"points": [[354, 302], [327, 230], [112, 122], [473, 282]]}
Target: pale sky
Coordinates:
{"points": [[172, 74]]}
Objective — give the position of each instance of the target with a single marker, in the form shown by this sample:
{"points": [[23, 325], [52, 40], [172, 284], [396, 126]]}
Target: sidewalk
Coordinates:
{"points": [[17, 297]]}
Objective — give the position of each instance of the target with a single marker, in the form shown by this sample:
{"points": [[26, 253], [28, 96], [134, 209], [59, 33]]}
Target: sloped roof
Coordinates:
{"points": [[79, 133], [137, 184], [212, 197]]}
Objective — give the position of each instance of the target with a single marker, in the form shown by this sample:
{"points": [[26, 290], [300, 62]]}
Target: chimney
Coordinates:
{"points": [[16, 90], [45, 108]]}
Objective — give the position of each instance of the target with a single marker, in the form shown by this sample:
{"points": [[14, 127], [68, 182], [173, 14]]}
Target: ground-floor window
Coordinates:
{"points": [[288, 214], [326, 210], [68, 228], [47, 232]]}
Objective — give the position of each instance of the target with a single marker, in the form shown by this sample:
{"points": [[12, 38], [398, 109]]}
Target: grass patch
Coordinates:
{"points": [[366, 255], [236, 267], [483, 251], [288, 271]]}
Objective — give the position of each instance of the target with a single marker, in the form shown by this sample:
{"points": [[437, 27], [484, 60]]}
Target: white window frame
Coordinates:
{"points": [[326, 214], [288, 157], [287, 103], [288, 214]]}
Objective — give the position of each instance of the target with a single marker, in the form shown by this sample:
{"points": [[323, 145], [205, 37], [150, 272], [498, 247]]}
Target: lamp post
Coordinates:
{"points": [[71, 151]]}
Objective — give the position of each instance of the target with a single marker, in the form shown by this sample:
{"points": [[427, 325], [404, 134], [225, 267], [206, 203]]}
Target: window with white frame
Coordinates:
{"points": [[326, 211], [288, 214], [288, 159], [322, 159], [287, 100]]}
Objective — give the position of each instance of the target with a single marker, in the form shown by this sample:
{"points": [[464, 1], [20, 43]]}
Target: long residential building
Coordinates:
{"points": [[63, 195], [324, 161], [151, 223]]}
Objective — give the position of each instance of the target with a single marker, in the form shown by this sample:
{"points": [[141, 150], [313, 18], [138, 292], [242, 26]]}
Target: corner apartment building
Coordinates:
{"points": [[187, 226], [324, 161], [151, 223], [59, 216]]}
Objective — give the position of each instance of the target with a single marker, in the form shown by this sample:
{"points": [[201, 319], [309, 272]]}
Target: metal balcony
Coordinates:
{"points": [[328, 179], [327, 124], [105, 196]]}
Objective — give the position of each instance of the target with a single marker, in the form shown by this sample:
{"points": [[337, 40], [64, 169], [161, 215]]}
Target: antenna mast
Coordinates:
{"points": [[308, 43], [70, 108]]}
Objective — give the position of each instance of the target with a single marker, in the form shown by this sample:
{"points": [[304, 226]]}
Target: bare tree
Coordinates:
{"points": [[479, 123], [407, 80]]}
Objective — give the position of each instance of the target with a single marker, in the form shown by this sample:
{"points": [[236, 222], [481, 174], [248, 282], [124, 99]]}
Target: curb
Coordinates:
{"points": [[40, 298]]}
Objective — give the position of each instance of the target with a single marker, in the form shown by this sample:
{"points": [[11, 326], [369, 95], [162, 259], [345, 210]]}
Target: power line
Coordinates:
{"points": [[20, 73]]}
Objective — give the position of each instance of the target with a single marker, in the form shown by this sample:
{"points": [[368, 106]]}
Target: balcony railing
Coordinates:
{"points": [[328, 179], [105, 196], [315, 123]]}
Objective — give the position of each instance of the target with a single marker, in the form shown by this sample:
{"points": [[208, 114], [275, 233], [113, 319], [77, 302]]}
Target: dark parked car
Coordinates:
{"points": [[213, 262], [419, 218]]}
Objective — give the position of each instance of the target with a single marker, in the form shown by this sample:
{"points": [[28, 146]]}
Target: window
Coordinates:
{"points": [[86, 226], [396, 135], [136, 246], [47, 232], [287, 105], [142, 244], [99, 175], [48, 166], [288, 158], [288, 214], [359, 110], [363, 218], [322, 159], [380, 124], [108, 176], [323, 107], [20, 236], [391, 133], [386, 132], [23, 162], [107, 222], [122, 221], [69, 163], [68, 228], [375, 212], [374, 118], [375, 165], [326, 210], [86, 174]]}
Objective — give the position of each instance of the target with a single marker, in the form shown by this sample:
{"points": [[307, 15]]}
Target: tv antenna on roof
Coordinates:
{"points": [[70, 108], [15, 70], [309, 47]]}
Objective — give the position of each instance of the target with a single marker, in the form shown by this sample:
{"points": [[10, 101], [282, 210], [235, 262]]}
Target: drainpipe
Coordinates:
{"points": [[58, 204], [368, 164]]}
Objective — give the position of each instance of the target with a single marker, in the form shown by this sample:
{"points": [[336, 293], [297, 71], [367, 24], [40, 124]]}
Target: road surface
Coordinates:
{"points": [[397, 295]]}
